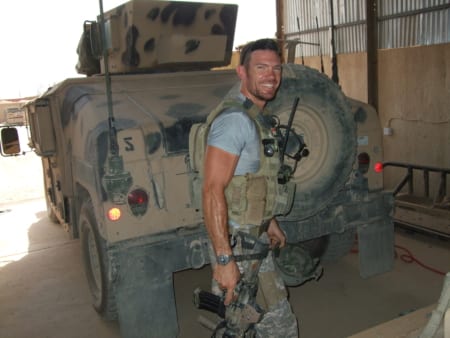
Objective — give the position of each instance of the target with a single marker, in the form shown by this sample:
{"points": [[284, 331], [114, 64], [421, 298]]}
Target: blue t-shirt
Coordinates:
{"points": [[235, 132]]}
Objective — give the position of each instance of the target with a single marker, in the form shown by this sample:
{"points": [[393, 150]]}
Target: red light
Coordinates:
{"points": [[138, 202], [378, 167], [363, 158], [114, 214], [363, 163], [137, 197]]}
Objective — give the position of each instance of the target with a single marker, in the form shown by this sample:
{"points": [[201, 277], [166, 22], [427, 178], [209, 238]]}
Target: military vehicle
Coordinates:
{"points": [[119, 173]]}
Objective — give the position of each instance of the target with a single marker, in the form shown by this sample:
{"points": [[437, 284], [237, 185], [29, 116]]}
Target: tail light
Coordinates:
{"points": [[363, 162], [138, 202], [114, 214], [378, 167]]}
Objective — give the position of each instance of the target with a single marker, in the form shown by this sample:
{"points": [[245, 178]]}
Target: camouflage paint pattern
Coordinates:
{"points": [[162, 34]]}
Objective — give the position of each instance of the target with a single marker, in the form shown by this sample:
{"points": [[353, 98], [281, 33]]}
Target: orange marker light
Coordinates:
{"points": [[114, 214], [378, 167]]}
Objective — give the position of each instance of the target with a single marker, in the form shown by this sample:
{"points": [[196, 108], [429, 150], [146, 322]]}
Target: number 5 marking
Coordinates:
{"points": [[128, 145]]}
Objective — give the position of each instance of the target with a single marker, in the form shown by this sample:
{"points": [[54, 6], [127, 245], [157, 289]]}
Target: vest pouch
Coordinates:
{"points": [[195, 191], [246, 199], [197, 145], [236, 200], [256, 199], [197, 148], [284, 199]]}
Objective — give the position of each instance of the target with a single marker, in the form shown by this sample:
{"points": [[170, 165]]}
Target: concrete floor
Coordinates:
{"points": [[43, 291]]}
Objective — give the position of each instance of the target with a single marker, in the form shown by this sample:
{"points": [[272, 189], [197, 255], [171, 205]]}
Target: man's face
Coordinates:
{"points": [[261, 78]]}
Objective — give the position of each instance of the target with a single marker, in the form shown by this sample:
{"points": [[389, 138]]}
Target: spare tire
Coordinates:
{"points": [[325, 121]]}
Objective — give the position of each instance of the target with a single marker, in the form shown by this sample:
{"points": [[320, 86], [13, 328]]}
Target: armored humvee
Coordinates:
{"points": [[118, 173]]}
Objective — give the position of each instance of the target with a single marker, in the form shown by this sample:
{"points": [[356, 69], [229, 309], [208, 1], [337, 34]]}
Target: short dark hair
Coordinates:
{"points": [[261, 44]]}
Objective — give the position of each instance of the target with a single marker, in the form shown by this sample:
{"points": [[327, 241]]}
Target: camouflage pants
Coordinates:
{"points": [[278, 319]]}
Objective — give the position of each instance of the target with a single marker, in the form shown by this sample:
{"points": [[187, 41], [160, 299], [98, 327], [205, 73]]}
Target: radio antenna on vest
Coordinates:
{"points": [[286, 171], [288, 129]]}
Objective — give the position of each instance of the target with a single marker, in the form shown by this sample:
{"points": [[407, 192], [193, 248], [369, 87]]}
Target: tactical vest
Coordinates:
{"points": [[252, 198]]}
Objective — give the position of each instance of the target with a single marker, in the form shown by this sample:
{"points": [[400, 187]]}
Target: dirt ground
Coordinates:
{"points": [[43, 291]]}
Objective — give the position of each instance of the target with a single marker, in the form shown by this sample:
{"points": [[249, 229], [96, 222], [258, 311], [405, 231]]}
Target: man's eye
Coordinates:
{"points": [[265, 68]]}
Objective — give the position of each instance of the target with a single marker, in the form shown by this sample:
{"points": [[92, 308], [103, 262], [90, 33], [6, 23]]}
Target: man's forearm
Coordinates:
{"points": [[216, 222], [219, 170]]}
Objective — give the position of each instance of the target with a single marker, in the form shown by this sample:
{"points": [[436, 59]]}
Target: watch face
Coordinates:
{"points": [[223, 259]]}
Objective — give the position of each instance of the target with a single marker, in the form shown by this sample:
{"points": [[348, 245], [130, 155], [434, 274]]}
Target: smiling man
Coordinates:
{"points": [[240, 190]]}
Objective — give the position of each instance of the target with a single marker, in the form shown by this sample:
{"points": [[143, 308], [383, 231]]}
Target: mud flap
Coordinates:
{"points": [[145, 300], [376, 248]]}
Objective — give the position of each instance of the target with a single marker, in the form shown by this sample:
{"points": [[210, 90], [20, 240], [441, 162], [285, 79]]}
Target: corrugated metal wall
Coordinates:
{"points": [[404, 23], [401, 23]]}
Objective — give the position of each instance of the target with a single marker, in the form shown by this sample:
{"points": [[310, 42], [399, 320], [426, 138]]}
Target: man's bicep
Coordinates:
{"points": [[219, 166]]}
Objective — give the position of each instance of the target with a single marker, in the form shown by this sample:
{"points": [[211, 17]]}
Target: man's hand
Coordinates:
{"points": [[276, 235], [227, 276]]}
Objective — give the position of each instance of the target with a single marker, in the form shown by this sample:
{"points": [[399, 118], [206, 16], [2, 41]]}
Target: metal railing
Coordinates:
{"points": [[409, 177]]}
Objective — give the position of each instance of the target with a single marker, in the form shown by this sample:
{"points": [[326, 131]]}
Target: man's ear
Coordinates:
{"points": [[241, 72]]}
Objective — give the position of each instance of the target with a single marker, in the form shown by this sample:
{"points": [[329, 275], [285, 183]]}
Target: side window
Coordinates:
{"points": [[177, 135], [10, 141], [153, 142]]}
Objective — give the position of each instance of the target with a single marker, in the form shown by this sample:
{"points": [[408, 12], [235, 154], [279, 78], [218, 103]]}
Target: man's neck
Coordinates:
{"points": [[257, 102]]}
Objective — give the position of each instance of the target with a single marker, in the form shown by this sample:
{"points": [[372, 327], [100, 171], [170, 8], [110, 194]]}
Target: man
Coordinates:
{"points": [[237, 174]]}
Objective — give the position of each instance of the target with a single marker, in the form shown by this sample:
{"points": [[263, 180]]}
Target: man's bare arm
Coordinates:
{"points": [[219, 170]]}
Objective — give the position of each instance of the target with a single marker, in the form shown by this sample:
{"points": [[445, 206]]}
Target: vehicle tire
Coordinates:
{"points": [[316, 247], [331, 248], [325, 121], [50, 213], [96, 264]]}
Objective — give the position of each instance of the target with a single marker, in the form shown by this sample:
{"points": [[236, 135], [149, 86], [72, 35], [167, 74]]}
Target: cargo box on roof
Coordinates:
{"points": [[143, 35]]}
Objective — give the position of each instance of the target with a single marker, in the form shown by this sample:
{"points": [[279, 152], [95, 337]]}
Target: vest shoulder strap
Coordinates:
{"points": [[251, 109]]}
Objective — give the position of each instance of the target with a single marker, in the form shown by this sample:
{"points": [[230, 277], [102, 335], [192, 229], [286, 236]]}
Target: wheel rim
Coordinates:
{"points": [[317, 143]]}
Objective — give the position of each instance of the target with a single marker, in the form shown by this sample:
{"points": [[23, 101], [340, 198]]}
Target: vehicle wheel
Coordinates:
{"points": [[339, 245], [325, 121], [316, 247], [50, 213], [332, 247], [95, 263]]}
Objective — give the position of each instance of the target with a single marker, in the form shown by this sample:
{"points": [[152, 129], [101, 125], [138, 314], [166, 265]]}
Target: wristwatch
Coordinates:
{"points": [[224, 259]]}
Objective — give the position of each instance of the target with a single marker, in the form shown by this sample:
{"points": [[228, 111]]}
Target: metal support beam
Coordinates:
{"points": [[280, 27], [372, 49], [334, 67]]}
